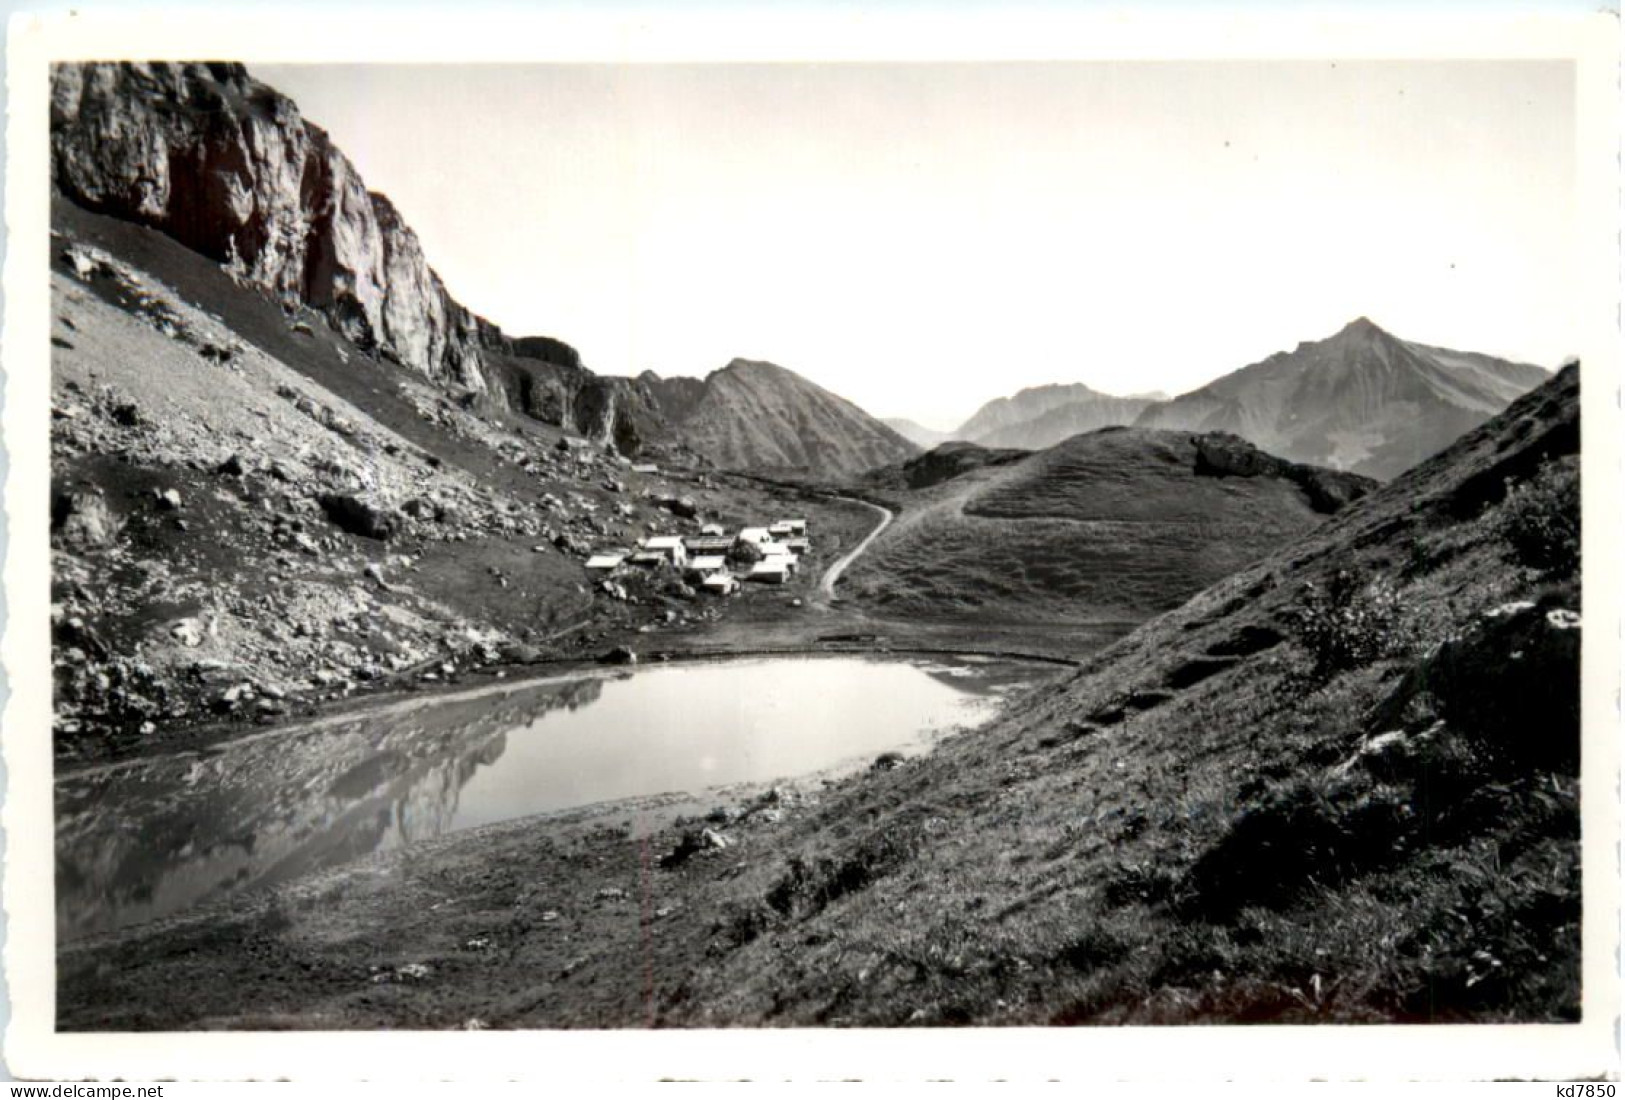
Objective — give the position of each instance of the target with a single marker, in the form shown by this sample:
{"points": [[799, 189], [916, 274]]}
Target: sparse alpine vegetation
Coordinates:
{"points": [[1345, 625], [1334, 826], [1542, 518], [1311, 751], [1207, 822]]}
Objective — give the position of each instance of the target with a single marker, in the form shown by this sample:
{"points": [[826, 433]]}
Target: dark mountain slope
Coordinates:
{"points": [[1360, 400], [758, 416], [1113, 526]]}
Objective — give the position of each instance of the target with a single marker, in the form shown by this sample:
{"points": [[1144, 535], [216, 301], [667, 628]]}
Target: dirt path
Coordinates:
{"points": [[826, 584]]}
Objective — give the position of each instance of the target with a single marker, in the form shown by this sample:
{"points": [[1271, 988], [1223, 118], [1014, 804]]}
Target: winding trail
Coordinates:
{"points": [[826, 583]]}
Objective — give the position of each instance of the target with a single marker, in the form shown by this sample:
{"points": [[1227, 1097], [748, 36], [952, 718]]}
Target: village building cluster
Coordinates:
{"points": [[714, 560]]}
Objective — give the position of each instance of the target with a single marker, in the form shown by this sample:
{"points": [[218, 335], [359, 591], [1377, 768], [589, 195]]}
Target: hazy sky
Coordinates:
{"points": [[921, 238]]}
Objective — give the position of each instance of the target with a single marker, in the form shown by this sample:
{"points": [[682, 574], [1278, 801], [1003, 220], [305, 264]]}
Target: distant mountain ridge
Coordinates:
{"points": [[1064, 421], [756, 415], [1361, 400], [917, 434], [1042, 416]]}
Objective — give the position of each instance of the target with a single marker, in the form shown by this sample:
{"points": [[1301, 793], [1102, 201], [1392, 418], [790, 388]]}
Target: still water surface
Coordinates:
{"points": [[143, 840]]}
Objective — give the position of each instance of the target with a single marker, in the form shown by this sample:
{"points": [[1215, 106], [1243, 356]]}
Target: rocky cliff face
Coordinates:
{"points": [[227, 166]]}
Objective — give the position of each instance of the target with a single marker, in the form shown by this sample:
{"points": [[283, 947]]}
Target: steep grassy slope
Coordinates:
{"points": [[1340, 785], [758, 416], [1113, 526], [1360, 400], [1277, 802]]}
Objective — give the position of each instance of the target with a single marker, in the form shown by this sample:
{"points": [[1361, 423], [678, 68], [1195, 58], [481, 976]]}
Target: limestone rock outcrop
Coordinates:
{"points": [[228, 167]]}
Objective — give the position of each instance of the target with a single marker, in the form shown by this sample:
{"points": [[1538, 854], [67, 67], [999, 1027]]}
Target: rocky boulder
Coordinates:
{"points": [[1221, 454], [572, 544], [357, 516], [1507, 684], [682, 507], [82, 520], [1510, 682]]}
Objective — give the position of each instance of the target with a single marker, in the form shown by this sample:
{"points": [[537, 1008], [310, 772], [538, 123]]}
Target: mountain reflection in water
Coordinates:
{"points": [[140, 841], [161, 835]]}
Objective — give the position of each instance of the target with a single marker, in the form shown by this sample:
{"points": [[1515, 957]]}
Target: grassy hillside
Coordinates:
{"points": [[1338, 786], [1116, 525]]}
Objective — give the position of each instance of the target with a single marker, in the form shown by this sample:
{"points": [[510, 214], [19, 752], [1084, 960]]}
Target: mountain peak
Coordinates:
{"points": [[1361, 326], [752, 414], [1362, 400]]}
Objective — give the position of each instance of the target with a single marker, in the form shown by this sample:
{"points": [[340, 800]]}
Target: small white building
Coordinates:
{"points": [[772, 570], [707, 544], [780, 530], [798, 547], [645, 468], [755, 535], [714, 530], [778, 551], [793, 526], [607, 561], [723, 583], [668, 547], [706, 564]]}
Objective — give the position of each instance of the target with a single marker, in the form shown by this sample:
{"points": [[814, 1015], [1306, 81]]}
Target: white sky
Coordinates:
{"points": [[922, 238]]}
